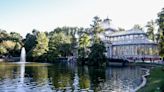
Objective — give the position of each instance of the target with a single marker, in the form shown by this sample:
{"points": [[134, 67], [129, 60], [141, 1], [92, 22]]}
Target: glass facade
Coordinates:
{"points": [[132, 46], [134, 50]]}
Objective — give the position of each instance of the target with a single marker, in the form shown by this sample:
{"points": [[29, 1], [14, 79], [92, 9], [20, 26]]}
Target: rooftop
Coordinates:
{"points": [[133, 42], [127, 32]]}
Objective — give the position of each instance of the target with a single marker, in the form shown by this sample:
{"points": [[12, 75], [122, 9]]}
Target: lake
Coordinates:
{"points": [[39, 77]]}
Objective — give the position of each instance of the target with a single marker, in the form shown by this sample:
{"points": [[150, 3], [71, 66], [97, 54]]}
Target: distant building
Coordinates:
{"points": [[128, 44]]}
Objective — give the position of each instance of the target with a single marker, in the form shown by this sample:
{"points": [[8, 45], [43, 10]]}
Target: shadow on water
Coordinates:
{"points": [[67, 77]]}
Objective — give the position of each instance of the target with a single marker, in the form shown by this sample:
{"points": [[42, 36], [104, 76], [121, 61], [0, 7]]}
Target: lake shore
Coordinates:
{"points": [[10, 59], [155, 81]]}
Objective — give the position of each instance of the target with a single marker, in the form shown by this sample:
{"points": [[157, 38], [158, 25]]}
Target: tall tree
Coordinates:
{"points": [[97, 56], [96, 29], [84, 43], [150, 30], [30, 42], [59, 45], [160, 22], [41, 46]]}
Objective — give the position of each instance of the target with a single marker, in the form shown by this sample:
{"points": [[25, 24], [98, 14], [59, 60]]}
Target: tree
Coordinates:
{"points": [[41, 46], [16, 35], [3, 50], [65, 49], [160, 22], [10, 42], [59, 46], [84, 43], [9, 45], [157, 37], [30, 43], [3, 34], [17, 49], [121, 29], [97, 56], [150, 30], [69, 32], [96, 29], [137, 26]]}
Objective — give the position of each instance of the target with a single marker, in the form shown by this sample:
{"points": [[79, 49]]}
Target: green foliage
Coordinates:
{"points": [[137, 26], [69, 31], [81, 53], [59, 45], [84, 42], [155, 81], [61, 42], [157, 37], [84, 78], [160, 22], [16, 36], [84, 52], [65, 49], [41, 46], [17, 49], [3, 50], [97, 56], [10, 43], [3, 34], [150, 30], [30, 42], [96, 29]]}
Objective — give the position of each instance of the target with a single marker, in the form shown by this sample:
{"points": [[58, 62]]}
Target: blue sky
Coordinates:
{"points": [[24, 15]]}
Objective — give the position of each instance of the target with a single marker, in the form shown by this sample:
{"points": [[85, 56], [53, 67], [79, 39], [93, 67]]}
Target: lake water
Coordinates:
{"points": [[37, 77]]}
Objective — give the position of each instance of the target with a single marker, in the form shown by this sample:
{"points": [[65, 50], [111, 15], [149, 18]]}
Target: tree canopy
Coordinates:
{"points": [[10, 43], [160, 22], [41, 45], [151, 29], [137, 26]]}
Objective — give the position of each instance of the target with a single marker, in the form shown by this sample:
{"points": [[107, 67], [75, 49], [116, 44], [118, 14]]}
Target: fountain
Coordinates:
{"points": [[22, 70], [23, 55], [22, 61]]}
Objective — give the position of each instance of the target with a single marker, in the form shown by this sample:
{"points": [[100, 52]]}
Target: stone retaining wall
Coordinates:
{"points": [[144, 80]]}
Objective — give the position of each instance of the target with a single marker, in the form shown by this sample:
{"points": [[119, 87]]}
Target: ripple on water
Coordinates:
{"points": [[107, 80]]}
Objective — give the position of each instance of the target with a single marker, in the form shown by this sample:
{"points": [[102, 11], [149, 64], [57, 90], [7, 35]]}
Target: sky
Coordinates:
{"points": [[45, 15]]}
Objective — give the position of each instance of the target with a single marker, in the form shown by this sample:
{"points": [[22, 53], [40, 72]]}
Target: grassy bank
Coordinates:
{"points": [[155, 81]]}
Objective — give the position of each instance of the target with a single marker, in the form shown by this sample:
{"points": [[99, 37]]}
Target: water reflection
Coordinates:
{"points": [[21, 82], [22, 71], [67, 77], [84, 80]]}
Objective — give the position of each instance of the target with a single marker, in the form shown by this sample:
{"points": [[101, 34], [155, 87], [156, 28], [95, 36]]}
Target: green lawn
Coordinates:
{"points": [[155, 81]]}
